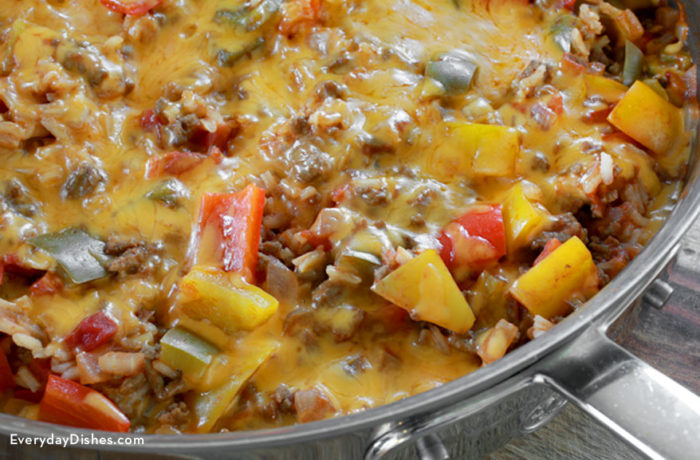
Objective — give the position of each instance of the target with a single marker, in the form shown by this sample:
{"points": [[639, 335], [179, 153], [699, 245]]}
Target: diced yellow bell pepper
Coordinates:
{"points": [[545, 288], [32, 44], [522, 218], [610, 90], [225, 299], [59, 315], [211, 405], [31, 412], [185, 351], [647, 118], [424, 287], [477, 149], [15, 406]]}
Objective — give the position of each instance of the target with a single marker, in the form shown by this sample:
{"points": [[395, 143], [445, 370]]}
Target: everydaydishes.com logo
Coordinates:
{"points": [[74, 440]]}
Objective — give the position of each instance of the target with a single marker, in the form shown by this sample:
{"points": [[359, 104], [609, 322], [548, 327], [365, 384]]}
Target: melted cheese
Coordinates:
{"points": [[375, 53]]}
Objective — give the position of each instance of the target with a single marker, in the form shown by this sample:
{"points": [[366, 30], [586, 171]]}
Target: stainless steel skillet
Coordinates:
{"points": [[475, 414]]}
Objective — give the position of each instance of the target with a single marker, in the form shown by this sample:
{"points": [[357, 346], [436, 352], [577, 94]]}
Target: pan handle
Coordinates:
{"points": [[653, 413]]}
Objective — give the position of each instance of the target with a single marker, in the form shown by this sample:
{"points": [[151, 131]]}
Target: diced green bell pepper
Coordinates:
{"points": [[80, 255], [634, 63], [249, 17], [170, 192], [185, 351], [454, 71]]}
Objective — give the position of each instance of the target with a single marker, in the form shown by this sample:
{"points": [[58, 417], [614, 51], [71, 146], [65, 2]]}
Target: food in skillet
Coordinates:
{"points": [[227, 215]]}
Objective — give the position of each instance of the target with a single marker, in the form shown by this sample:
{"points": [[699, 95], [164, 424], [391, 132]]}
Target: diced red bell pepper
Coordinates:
{"points": [[46, 285], [69, 403], [131, 7], [233, 220], [547, 250], [475, 239], [7, 380], [92, 332]]}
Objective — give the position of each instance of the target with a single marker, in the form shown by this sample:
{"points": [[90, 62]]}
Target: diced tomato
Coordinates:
{"points": [[204, 141], [521, 107], [70, 403], [12, 264], [644, 41], [131, 7], [547, 250], [233, 220], [46, 285], [573, 64], [311, 405], [475, 239], [597, 116], [28, 395], [40, 368], [7, 381], [297, 14], [219, 138], [543, 115], [391, 317], [568, 4], [675, 88], [173, 163], [92, 332], [556, 103], [317, 240], [149, 120], [341, 193]]}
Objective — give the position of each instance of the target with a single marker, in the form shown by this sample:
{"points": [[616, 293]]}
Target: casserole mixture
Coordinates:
{"points": [[227, 215]]}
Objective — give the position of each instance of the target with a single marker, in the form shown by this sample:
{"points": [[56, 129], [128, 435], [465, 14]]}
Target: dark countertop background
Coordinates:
{"points": [[666, 338]]}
